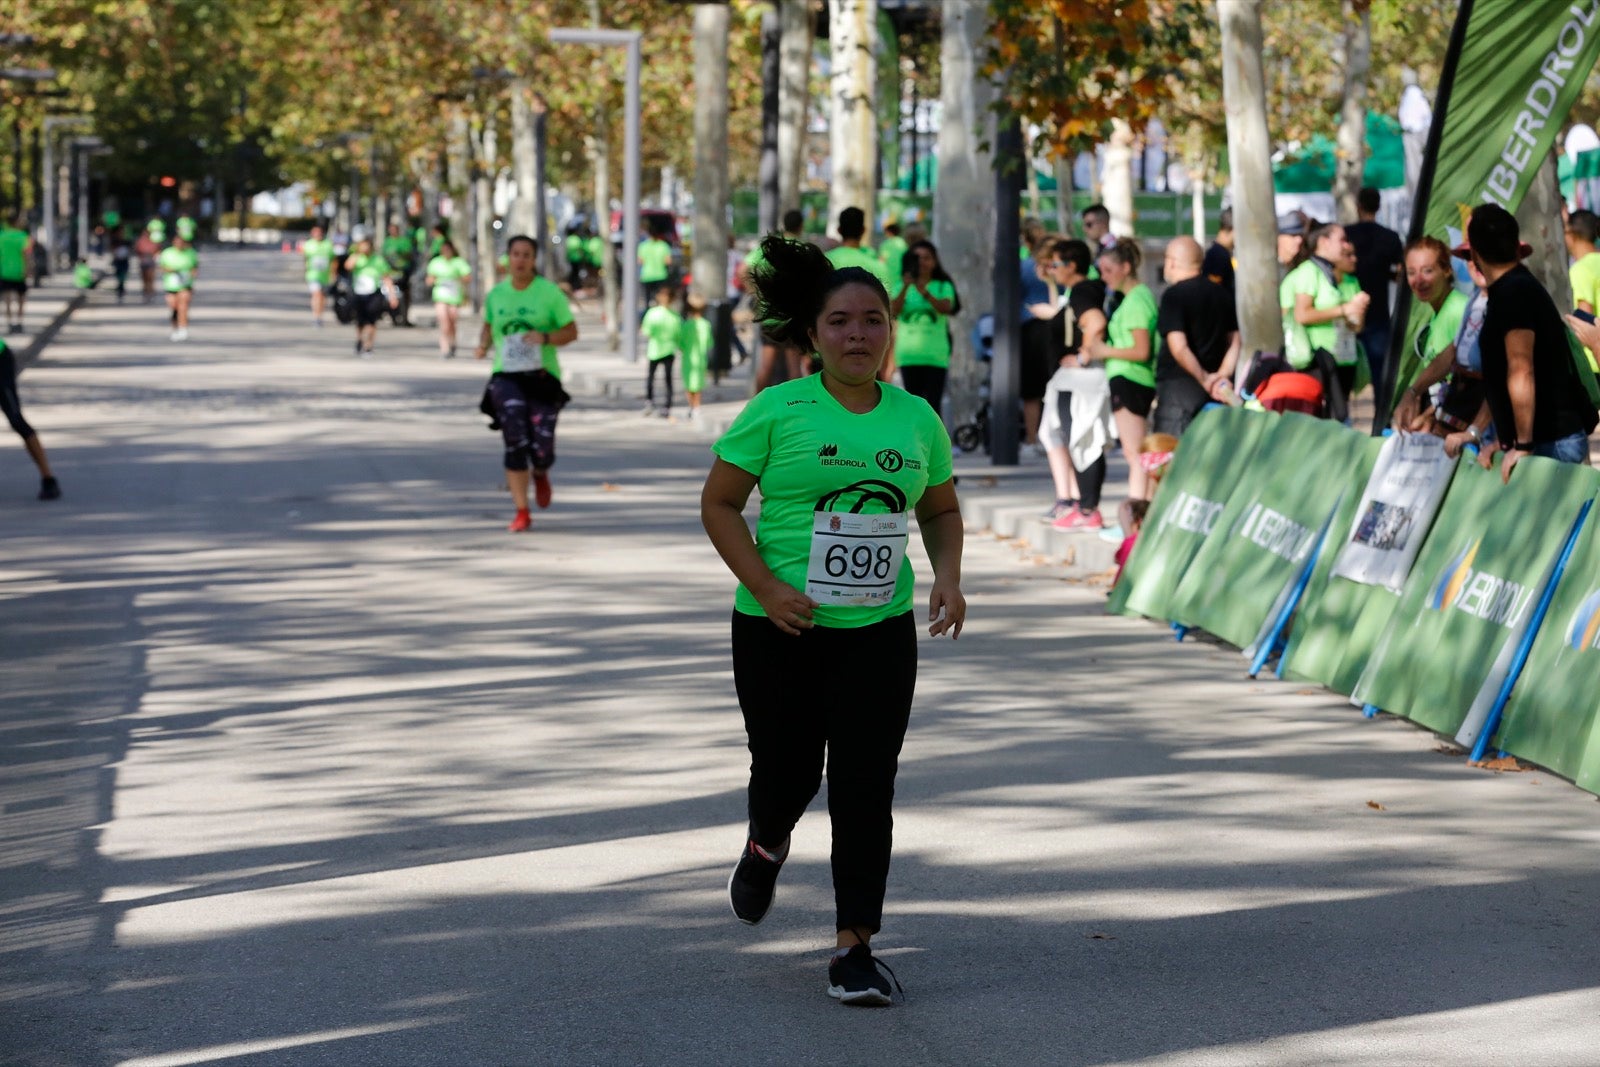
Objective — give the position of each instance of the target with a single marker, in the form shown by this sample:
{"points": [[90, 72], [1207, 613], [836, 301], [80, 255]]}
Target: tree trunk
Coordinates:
{"points": [[541, 212], [1033, 178], [1116, 180], [769, 202], [710, 267], [1541, 225], [458, 162], [1063, 166], [600, 155], [963, 199], [1352, 154], [522, 161], [1250, 167], [486, 268], [794, 99], [853, 128]]}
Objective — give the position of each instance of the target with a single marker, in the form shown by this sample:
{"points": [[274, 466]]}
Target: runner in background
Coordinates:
{"points": [[179, 266], [16, 248], [526, 318], [146, 248], [655, 263], [892, 251], [11, 407], [318, 251], [852, 251], [186, 228], [923, 302], [372, 283], [448, 274], [695, 344], [824, 638], [662, 328], [400, 250], [121, 257], [157, 229]]}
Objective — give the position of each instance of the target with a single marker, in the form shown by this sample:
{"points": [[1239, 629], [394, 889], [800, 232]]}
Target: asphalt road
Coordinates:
{"points": [[304, 760]]}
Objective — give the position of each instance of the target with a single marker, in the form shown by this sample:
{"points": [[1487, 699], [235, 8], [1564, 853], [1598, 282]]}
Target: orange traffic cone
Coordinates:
{"points": [[287, 247]]}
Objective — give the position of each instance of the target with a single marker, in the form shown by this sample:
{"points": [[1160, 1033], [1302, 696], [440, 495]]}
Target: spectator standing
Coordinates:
{"points": [[1079, 322], [1581, 231], [1439, 345], [1323, 311], [1097, 228], [16, 248], [922, 304], [1537, 400], [1199, 332], [1218, 263], [1129, 353], [893, 249], [1291, 238], [1038, 308], [851, 252], [1380, 256]]}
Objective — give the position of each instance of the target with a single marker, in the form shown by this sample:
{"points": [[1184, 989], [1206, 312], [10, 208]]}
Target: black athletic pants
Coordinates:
{"points": [[665, 363], [1091, 479], [926, 382], [837, 699]]}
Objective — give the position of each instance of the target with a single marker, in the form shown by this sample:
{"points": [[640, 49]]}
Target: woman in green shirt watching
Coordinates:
{"points": [[924, 299], [1129, 353], [448, 273], [824, 640], [1323, 311], [1432, 282]]}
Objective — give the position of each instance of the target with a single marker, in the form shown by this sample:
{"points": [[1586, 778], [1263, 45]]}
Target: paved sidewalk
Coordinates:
{"points": [[304, 760]]}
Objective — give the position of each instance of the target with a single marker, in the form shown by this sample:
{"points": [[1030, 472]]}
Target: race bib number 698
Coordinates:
{"points": [[855, 559]]}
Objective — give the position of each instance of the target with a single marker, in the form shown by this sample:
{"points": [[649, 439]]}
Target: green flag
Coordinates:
{"points": [[1270, 527], [1521, 67], [1473, 587], [1214, 456]]}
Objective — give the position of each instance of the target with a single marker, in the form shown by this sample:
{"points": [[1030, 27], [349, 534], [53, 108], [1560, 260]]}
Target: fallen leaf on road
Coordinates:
{"points": [[1449, 750], [1375, 806], [610, 487], [1503, 763], [1100, 937]]}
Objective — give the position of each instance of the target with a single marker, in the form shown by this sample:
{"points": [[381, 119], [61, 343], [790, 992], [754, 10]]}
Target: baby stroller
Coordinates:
{"points": [[974, 435]]}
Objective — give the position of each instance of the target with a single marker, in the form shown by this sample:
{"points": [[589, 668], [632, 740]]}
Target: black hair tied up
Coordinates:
{"points": [[794, 282]]}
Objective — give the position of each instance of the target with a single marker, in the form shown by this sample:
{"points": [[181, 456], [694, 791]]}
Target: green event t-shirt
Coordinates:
{"points": [[367, 273], [1441, 330], [177, 268], [1585, 275], [541, 307], [319, 260], [447, 277], [1299, 342], [595, 249], [13, 254], [921, 334], [655, 256], [845, 256], [660, 326], [809, 454], [892, 254], [574, 247], [186, 227], [1136, 312], [399, 249]]}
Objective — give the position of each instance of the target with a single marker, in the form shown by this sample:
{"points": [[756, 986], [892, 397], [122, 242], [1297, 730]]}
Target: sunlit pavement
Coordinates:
{"points": [[307, 761]]}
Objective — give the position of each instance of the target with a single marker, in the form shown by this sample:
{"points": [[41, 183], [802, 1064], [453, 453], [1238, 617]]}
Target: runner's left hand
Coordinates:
{"points": [[947, 610]]}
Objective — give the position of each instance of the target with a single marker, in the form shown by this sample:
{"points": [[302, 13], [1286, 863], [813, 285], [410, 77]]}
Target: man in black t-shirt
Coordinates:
{"points": [[1218, 264], [1199, 334], [1531, 384], [1379, 256]]}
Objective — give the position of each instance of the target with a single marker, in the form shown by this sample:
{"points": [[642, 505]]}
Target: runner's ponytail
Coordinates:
{"points": [[792, 284]]}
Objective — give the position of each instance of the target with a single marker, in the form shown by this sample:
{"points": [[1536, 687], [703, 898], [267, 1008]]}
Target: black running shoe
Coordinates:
{"points": [[49, 489], [856, 979], [752, 883]]}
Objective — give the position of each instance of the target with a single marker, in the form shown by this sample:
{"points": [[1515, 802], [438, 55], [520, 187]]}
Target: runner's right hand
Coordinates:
{"points": [[787, 607]]}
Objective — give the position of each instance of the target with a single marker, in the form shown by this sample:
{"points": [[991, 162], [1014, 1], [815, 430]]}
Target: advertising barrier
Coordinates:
{"points": [[1472, 588], [1218, 452], [1268, 529], [1496, 630]]}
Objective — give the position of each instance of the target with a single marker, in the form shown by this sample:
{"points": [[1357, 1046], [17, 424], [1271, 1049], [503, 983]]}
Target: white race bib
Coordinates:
{"points": [[855, 559], [319, 264], [517, 353], [365, 285], [446, 290]]}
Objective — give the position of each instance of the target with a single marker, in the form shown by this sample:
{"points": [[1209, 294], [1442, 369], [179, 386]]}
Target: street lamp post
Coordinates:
{"points": [[82, 149], [628, 39]]}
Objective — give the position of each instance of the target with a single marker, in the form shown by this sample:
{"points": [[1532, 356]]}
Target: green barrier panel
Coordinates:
{"points": [[1551, 719], [1212, 459], [1474, 584], [1270, 527], [1340, 622]]}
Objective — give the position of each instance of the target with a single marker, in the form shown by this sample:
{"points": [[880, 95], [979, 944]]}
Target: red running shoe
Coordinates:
{"points": [[520, 522], [541, 489]]}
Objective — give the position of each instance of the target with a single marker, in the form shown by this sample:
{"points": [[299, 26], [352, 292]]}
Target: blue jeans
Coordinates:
{"points": [[1573, 448]]}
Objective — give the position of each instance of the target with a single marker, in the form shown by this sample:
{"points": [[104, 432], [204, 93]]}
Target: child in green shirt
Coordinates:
{"points": [[661, 327], [694, 341], [83, 275]]}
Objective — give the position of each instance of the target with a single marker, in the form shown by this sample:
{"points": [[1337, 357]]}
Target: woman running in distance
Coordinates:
{"points": [[842, 460], [525, 318], [449, 274]]}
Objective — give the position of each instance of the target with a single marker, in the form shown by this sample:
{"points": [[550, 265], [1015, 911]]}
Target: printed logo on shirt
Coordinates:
{"points": [[855, 498], [828, 456], [828, 450], [792, 403], [890, 461]]}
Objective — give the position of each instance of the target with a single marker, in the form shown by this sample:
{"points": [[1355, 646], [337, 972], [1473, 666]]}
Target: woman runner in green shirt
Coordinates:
{"points": [[824, 643], [449, 274], [1129, 352]]}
